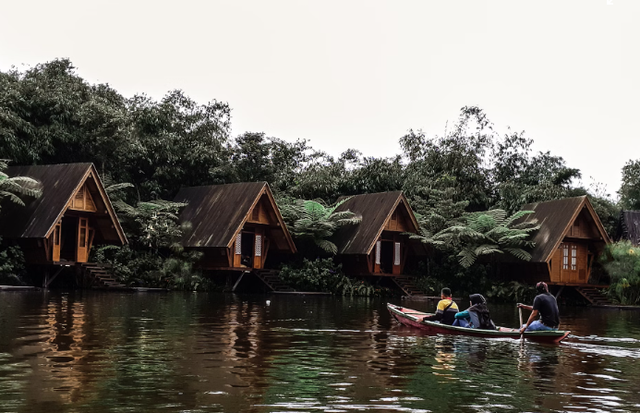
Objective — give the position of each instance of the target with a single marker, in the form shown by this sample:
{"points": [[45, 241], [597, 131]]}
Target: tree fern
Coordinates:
{"points": [[491, 232]]}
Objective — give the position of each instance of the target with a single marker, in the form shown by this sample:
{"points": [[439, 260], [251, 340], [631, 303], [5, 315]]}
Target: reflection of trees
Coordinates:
{"points": [[198, 352]]}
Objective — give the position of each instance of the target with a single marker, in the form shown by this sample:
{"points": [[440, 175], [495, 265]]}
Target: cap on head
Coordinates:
{"points": [[542, 287]]}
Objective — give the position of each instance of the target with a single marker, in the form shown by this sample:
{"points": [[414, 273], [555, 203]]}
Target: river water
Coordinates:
{"points": [[175, 352]]}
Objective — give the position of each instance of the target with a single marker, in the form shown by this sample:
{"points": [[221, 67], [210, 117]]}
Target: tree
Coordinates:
{"points": [[457, 159], [311, 220], [12, 187], [491, 232], [630, 189], [176, 142], [48, 114], [11, 257]]}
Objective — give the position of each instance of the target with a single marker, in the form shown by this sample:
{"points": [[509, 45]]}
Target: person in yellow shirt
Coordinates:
{"points": [[446, 310]]}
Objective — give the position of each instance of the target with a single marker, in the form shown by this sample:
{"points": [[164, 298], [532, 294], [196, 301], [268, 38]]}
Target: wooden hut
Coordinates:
{"points": [[377, 246], [568, 242], [629, 227], [60, 227], [235, 226]]}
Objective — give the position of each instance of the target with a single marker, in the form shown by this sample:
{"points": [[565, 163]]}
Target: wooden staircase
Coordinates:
{"points": [[406, 284], [272, 280], [593, 295], [99, 276]]}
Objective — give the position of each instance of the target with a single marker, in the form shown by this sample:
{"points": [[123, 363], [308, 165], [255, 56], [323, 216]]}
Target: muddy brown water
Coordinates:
{"points": [[175, 352]]}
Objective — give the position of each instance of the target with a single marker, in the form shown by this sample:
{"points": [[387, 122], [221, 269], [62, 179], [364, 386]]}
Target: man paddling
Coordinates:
{"points": [[544, 305], [447, 308]]}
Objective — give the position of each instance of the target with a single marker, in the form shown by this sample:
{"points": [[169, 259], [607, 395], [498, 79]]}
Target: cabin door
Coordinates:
{"points": [[82, 254], [573, 263], [56, 242]]}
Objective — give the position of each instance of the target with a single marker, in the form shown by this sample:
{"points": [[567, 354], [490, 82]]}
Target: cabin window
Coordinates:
{"points": [[83, 201], [258, 245], [574, 257], [378, 247], [238, 244], [396, 257], [565, 257]]}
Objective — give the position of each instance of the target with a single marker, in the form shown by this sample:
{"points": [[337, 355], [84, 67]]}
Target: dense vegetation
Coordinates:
{"points": [[148, 149], [622, 262]]}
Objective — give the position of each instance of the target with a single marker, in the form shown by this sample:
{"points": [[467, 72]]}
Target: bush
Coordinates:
{"points": [[324, 275], [12, 265], [146, 269], [321, 274], [622, 262], [512, 292]]}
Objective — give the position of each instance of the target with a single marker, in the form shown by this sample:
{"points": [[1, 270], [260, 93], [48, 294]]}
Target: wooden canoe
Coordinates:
{"points": [[415, 318]]}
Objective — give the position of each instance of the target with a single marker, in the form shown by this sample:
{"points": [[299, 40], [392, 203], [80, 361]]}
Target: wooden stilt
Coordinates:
{"points": [[238, 281], [48, 280]]}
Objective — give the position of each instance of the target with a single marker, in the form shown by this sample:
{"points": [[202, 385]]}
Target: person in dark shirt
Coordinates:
{"points": [[447, 309], [544, 305]]}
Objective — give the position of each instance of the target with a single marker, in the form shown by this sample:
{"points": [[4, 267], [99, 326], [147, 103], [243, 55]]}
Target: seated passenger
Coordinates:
{"points": [[447, 309], [476, 316]]}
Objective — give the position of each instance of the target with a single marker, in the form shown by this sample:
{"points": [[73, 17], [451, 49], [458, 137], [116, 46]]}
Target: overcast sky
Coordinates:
{"points": [[359, 74]]}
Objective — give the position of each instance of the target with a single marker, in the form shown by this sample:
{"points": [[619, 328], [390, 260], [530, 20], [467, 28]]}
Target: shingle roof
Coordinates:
{"points": [[217, 212], [375, 210], [555, 218]]}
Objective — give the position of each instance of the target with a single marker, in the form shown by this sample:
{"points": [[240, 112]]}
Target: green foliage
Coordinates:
{"points": [[12, 264], [621, 260], [13, 187], [311, 220], [324, 275], [511, 292], [144, 268], [153, 225], [491, 232], [313, 275], [49, 114], [154, 256], [630, 189], [457, 158]]}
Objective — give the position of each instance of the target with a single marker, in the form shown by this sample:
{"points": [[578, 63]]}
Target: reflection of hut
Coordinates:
{"points": [[235, 226], [60, 227], [629, 227], [377, 245]]}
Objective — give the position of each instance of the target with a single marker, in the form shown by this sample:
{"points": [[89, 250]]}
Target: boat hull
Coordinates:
{"points": [[414, 318]]}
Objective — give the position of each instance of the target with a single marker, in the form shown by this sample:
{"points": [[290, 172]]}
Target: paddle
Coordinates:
{"points": [[520, 311]]}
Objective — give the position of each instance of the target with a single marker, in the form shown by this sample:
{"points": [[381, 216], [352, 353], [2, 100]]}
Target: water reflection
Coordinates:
{"points": [[222, 353]]}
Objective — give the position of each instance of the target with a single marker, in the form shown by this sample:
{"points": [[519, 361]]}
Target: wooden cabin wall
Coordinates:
{"points": [[562, 268], [583, 227]]}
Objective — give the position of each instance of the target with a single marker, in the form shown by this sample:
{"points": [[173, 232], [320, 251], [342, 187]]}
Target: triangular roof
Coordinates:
{"points": [[217, 213], [375, 210], [555, 219], [629, 227], [60, 183]]}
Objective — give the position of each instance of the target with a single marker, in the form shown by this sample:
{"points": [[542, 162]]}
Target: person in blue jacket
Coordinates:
{"points": [[476, 316]]}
